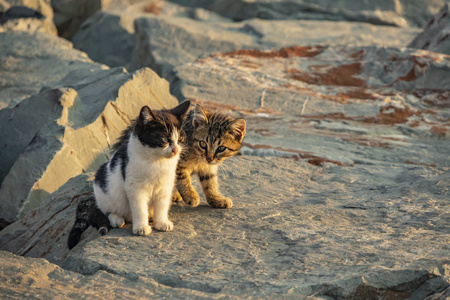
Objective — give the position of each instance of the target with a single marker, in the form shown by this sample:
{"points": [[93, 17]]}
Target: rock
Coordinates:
{"points": [[70, 14], [29, 62], [296, 229], [84, 117], [41, 6], [30, 16], [37, 278], [354, 91], [107, 37], [435, 36], [155, 47], [396, 13], [48, 239], [341, 190]]}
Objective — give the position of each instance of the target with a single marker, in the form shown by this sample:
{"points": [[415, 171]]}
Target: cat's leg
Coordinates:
{"points": [[161, 205], [176, 197], [185, 188], [210, 185], [116, 221], [138, 199]]}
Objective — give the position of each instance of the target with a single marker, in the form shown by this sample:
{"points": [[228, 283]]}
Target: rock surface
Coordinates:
{"points": [[154, 46], [83, 117], [110, 37], [29, 16], [296, 229], [70, 14], [397, 13], [30, 62], [436, 35], [38, 279], [342, 187]]}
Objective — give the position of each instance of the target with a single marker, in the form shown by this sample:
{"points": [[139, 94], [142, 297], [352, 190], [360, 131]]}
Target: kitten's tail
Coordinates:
{"points": [[88, 214]]}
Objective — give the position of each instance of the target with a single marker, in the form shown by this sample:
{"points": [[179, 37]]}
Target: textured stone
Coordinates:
{"points": [[85, 116], [29, 62], [155, 47], [25, 278], [436, 35], [107, 36], [341, 190], [70, 14], [29, 16], [397, 13]]}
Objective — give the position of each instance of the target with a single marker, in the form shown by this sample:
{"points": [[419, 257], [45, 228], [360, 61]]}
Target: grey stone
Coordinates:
{"points": [[29, 62], [155, 47], [107, 36], [296, 229], [436, 35], [27, 15], [70, 14], [85, 116], [397, 13], [38, 279]]}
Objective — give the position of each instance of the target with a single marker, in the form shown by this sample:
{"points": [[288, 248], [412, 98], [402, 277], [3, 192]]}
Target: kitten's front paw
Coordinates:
{"points": [[116, 221], [164, 226], [193, 200], [142, 229], [220, 202], [177, 197]]}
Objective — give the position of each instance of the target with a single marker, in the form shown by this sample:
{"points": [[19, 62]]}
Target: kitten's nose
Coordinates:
{"points": [[175, 150], [209, 159]]}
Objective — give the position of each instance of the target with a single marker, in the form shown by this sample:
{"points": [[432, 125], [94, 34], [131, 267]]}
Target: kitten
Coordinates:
{"points": [[137, 182], [211, 137]]}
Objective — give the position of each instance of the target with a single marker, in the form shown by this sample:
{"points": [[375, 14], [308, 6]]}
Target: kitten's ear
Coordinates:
{"points": [[200, 116], [237, 128], [146, 115], [180, 110]]}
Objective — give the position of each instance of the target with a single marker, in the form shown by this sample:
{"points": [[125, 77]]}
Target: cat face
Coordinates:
{"points": [[216, 136], [161, 130]]}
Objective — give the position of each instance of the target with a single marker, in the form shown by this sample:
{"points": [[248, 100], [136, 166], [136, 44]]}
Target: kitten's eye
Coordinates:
{"points": [[202, 144], [181, 139], [221, 149]]}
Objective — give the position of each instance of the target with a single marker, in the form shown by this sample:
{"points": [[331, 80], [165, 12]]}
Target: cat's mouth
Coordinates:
{"points": [[171, 155]]}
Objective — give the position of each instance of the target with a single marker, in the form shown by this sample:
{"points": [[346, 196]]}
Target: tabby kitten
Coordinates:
{"points": [[211, 137], [137, 182]]}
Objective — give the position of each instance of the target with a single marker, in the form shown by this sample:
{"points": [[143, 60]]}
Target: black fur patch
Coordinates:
{"points": [[206, 177], [124, 163], [88, 214], [101, 177], [121, 155]]}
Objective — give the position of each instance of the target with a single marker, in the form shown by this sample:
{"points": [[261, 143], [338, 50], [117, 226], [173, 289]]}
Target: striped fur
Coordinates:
{"points": [[211, 138]]}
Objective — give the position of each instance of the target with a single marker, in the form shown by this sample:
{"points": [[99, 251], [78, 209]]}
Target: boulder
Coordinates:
{"points": [[107, 36], [84, 115], [38, 279], [155, 47], [333, 88], [29, 62], [297, 229], [436, 35], [23, 18], [395, 13], [70, 14]]}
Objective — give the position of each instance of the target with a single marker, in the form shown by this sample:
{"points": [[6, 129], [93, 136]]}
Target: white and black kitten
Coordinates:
{"points": [[136, 184]]}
